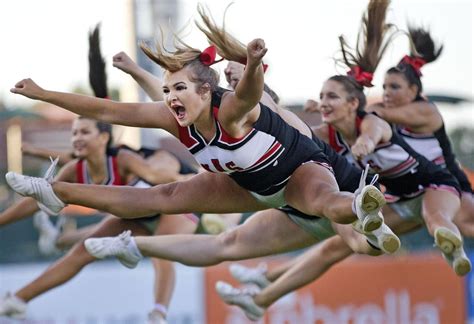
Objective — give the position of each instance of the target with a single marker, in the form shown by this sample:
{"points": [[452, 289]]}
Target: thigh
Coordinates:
{"points": [[205, 193], [307, 184], [112, 226], [268, 232], [442, 202], [176, 224]]}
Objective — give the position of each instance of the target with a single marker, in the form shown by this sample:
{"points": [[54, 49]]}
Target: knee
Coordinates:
{"points": [[227, 241], [79, 255]]}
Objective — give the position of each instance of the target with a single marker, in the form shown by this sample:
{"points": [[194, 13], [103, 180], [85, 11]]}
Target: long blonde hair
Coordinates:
{"points": [[227, 46]]}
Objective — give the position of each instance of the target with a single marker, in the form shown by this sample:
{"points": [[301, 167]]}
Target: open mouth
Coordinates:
{"points": [[180, 111]]}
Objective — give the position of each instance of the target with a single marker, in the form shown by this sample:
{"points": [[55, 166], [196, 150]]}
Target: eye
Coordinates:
{"points": [[166, 90], [181, 87]]}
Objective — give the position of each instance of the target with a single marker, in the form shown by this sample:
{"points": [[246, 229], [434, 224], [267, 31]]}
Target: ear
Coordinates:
{"points": [[353, 103], [104, 137], [205, 91], [413, 91]]}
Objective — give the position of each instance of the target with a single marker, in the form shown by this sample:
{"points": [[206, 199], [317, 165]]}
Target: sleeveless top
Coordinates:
{"points": [[113, 175], [262, 161]]}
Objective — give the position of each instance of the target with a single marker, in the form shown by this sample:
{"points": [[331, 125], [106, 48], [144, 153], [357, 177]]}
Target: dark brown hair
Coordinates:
{"points": [[372, 41], [422, 46]]}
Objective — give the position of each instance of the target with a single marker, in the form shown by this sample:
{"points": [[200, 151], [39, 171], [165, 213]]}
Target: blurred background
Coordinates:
{"points": [[47, 41]]}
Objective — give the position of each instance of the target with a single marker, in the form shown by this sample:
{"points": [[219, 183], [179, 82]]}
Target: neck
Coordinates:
{"points": [[96, 165], [205, 122], [347, 128]]}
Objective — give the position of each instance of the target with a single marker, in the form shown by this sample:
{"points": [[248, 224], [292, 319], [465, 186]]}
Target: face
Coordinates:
{"points": [[233, 73], [397, 91], [182, 98], [333, 104], [86, 138]]}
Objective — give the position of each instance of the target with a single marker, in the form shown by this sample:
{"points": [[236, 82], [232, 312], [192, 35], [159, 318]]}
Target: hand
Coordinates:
{"points": [[27, 148], [256, 50], [362, 147], [233, 73], [123, 62], [28, 88], [311, 106]]}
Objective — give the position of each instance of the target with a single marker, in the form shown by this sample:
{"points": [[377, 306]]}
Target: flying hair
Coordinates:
{"points": [[373, 39], [97, 75]]}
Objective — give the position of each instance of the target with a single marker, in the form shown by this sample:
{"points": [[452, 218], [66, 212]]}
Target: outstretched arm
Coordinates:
{"points": [[373, 131], [414, 115], [164, 170], [153, 115], [250, 88], [147, 81], [64, 157]]}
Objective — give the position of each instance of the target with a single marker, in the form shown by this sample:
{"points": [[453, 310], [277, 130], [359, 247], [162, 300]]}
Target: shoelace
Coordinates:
{"points": [[49, 174], [363, 178]]}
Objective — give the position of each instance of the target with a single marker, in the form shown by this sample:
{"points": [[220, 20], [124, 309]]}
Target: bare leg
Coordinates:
{"points": [[165, 276], [309, 267], [439, 208], [71, 237], [267, 232], [69, 265], [313, 190], [464, 218], [205, 192]]}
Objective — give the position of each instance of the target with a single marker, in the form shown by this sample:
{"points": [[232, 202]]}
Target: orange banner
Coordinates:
{"points": [[386, 290]]}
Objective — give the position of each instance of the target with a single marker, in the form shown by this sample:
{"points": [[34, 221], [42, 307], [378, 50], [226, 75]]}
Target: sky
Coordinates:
{"points": [[47, 40]]}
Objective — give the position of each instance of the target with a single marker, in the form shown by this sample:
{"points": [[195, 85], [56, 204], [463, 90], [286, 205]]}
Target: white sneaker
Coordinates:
{"points": [[368, 202], [247, 275], [155, 317], [383, 237], [12, 306], [120, 246], [447, 240], [240, 298], [213, 223], [459, 261], [48, 233], [37, 188]]}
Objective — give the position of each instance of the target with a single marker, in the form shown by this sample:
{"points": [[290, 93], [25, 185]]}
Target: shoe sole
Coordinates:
{"points": [[213, 224], [373, 200], [462, 267], [446, 240], [390, 244]]}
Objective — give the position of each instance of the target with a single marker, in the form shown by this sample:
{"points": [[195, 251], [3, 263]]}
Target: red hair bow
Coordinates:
{"points": [[363, 78], [415, 62], [208, 56]]}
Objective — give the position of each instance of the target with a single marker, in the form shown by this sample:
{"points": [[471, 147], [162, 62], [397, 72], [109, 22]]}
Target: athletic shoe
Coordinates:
{"points": [[213, 223], [38, 188], [121, 246], [383, 237], [240, 298], [368, 203], [447, 240], [155, 317], [48, 233], [459, 261], [12, 306], [248, 275]]}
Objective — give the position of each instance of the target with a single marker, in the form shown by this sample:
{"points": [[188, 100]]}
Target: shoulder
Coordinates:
{"points": [[68, 172], [321, 131]]}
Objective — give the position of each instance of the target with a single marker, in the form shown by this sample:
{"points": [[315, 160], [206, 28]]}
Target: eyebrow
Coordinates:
{"points": [[174, 85]]}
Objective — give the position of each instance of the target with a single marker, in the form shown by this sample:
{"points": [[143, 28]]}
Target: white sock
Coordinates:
{"points": [[134, 248], [162, 309]]}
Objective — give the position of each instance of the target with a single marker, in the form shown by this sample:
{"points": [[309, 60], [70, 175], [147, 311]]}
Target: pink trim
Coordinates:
{"points": [[444, 188], [192, 217]]}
